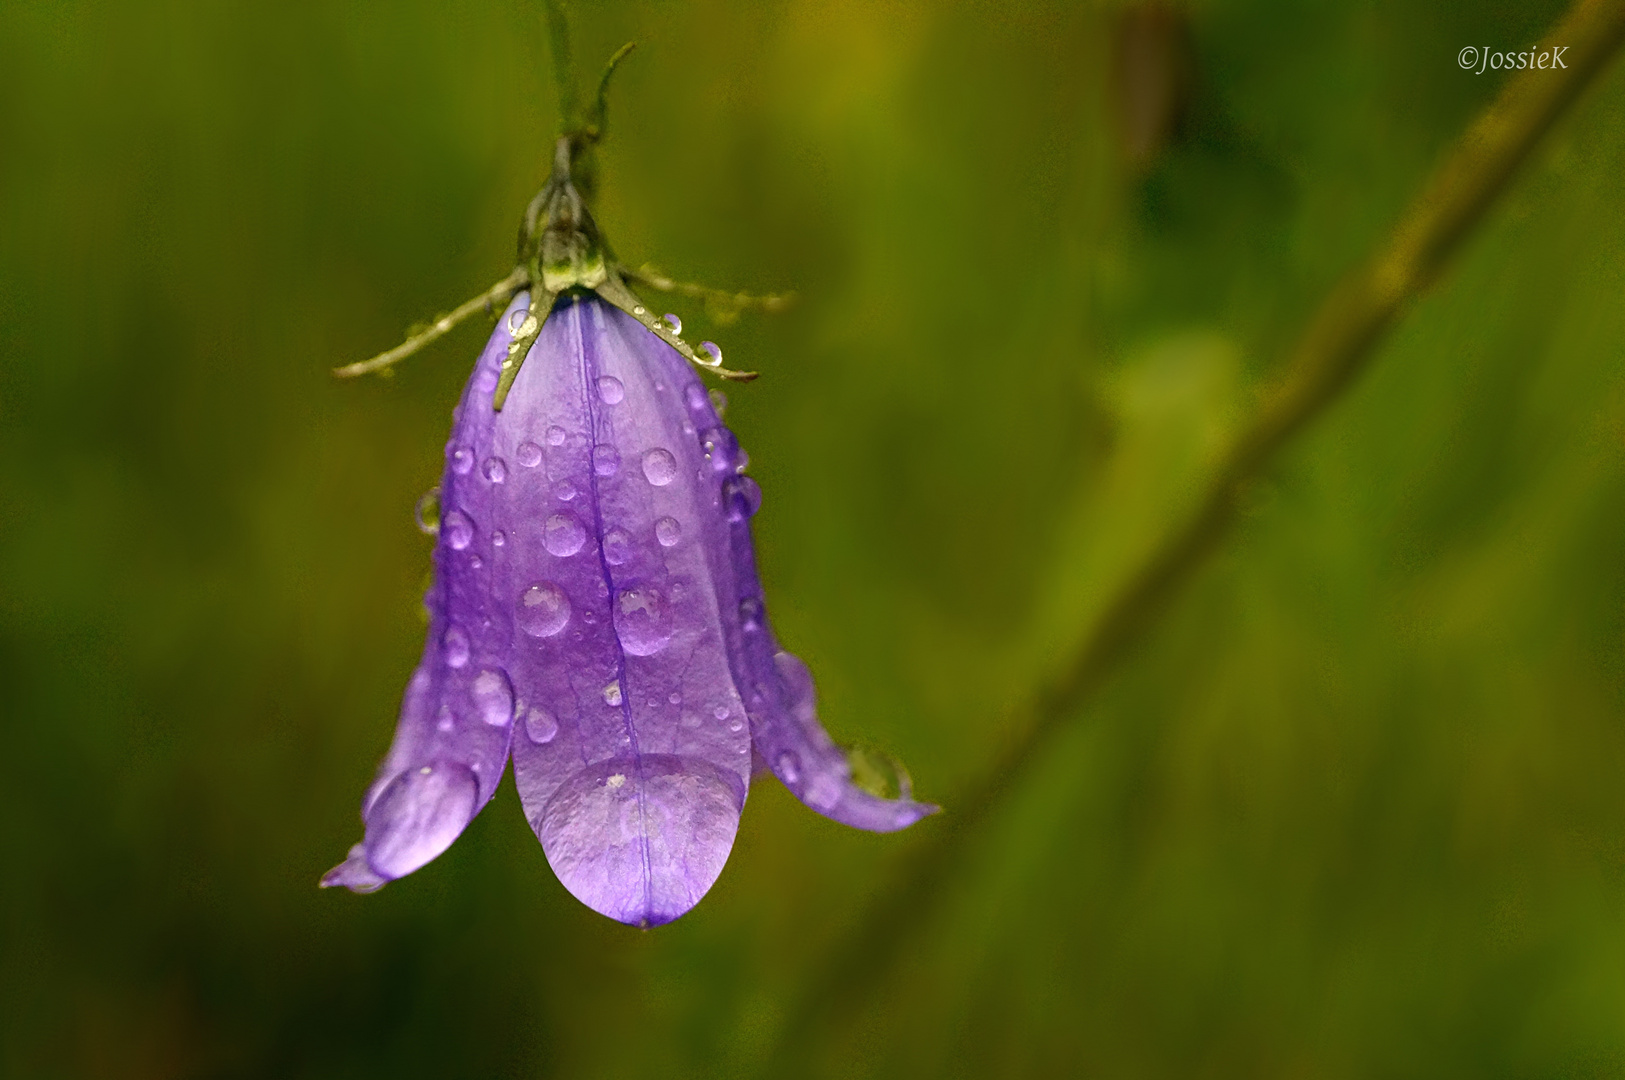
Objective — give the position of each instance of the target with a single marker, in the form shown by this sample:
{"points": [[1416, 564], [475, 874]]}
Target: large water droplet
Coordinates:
{"points": [[516, 319], [668, 530], [496, 470], [462, 460], [563, 535], [710, 349], [617, 547], [742, 497], [555, 436], [418, 815], [674, 322], [459, 529], [543, 610], [427, 512], [529, 455], [540, 727], [456, 645], [612, 695], [610, 389], [659, 467], [788, 766], [643, 621], [493, 697], [605, 459]]}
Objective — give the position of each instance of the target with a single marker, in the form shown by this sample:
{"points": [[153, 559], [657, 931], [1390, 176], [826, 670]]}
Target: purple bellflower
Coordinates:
{"points": [[596, 613]]}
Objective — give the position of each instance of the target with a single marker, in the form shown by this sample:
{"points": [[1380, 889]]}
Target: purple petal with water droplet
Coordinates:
{"points": [[451, 742], [619, 625], [635, 808]]}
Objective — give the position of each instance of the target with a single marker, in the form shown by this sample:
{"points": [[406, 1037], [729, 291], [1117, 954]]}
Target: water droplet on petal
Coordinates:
{"points": [[720, 712], [742, 497], [736, 725], [610, 389], [475, 561], [605, 459], [427, 512], [563, 535], [462, 460], [668, 531], [788, 766], [710, 349], [642, 621], [493, 697], [516, 319], [564, 491], [674, 322], [674, 698], [417, 817], [695, 396], [721, 448], [540, 727], [543, 610], [498, 538], [496, 470], [659, 467], [456, 645], [750, 613], [458, 528], [529, 455], [612, 694], [617, 547]]}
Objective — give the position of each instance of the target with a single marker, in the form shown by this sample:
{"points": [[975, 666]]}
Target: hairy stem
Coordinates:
{"points": [[1338, 343]]}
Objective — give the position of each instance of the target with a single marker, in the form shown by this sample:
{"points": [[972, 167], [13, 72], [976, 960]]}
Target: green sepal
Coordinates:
{"points": [[541, 305], [614, 290]]}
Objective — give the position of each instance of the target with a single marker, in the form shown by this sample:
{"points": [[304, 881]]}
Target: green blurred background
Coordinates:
{"points": [[1356, 807]]}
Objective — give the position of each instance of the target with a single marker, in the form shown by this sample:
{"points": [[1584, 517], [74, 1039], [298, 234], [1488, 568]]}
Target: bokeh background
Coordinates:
{"points": [[1356, 807]]}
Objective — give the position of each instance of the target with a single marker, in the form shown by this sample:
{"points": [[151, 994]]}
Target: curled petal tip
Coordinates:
{"points": [[354, 873]]}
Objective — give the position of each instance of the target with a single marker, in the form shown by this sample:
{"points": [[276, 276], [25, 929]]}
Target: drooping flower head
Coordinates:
{"points": [[596, 613]]}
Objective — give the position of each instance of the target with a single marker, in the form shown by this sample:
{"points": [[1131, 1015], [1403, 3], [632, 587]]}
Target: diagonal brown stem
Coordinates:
{"points": [[1340, 340]]}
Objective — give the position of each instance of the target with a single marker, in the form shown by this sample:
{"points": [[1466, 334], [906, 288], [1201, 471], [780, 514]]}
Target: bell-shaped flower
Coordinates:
{"points": [[596, 612]]}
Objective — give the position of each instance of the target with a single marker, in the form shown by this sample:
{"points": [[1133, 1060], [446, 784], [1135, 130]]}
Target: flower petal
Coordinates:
{"points": [[779, 694], [451, 742], [634, 757]]}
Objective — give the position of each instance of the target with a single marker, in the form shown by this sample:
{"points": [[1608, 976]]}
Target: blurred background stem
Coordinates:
{"points": [[1341, 339]]}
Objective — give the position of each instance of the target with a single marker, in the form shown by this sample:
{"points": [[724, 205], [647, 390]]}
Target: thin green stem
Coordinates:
{"points": [[564, 65], [1339, 342]]}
